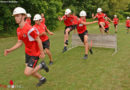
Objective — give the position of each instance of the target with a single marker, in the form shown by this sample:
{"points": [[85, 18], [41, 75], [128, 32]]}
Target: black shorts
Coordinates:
{"points": [[75, 26], [70, 27], [100, 26], [115, 25], [46, 44], [31, 61], [128, 27], [106, 29], [82, 35]]}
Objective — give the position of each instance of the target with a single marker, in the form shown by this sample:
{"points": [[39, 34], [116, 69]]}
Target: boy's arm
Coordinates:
{"points": [[43, 33], [60, 18], [109, 19], [38, 40], [87, 23], [49, 32], [17, 45], [93, 17]]}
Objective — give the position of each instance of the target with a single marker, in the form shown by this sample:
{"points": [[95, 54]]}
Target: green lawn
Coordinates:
{"points": [[101, 71]]}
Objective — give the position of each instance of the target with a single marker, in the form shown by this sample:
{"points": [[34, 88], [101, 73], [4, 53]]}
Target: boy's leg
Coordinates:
{"points": [[102, 27], [66, 39], [29, 71], [86, 45], [49, 55]]}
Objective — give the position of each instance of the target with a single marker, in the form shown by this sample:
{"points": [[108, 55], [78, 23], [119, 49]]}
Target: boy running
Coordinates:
{"points": [[43, 36], [107, 23], [101, 19], [128, 24], [68, 21], [43, 19], [28, 20], [33, 46], [83, 32], [115, 22]]}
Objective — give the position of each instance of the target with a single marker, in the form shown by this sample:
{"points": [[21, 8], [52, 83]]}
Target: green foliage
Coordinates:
{"points": [[54, 8]]}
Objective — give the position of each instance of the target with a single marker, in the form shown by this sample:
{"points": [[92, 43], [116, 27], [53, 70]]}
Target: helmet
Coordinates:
{"points": [[99, 10], [82, 13], [128, 17], [19, 10], [67, 11], [28, 15], [115, 15], [37, 17]]}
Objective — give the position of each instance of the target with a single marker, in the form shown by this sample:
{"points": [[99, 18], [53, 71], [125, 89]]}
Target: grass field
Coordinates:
{"points": [[101, 71]]}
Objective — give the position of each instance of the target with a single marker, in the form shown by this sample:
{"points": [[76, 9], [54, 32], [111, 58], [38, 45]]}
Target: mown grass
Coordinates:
{"points": [[101, 71]]}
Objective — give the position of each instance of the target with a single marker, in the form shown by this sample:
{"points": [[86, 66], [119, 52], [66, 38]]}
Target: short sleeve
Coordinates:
{"points": [[34, 34], [96, 16], [63, 17]]}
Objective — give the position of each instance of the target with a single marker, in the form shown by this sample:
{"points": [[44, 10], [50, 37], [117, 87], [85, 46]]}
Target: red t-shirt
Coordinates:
{"points": [[127, 23], [68, 21], [81, 27], [101, 17], [28, 21], [42, 28], [43, 21], [107, 24], [115, 20], [75, 20], [28, 34]]}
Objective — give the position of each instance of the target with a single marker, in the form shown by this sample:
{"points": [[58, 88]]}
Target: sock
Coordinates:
{"points": [[65, 47], [86, 55], [66, 42], [42, 78]]}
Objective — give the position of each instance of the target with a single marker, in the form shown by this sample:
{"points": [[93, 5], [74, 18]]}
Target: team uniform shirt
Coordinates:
{"points": [[81, 27], [127, 23], [68, 21], [28, 34], [107, 24], [43, 21], [115, 20], [42, 28], [28, 21], [101, 17], [75, 20]]}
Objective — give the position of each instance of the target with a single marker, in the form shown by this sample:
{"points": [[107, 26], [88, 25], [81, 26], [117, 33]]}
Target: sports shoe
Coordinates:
{"points": [[43, 66], [85, 57], [50, 63], [41, 82], [64, 50], [90, 50]]}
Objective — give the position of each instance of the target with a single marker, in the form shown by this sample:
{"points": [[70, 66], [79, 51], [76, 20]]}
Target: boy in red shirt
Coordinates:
{"points": [[107, 23], [68, 21], [115, 22], [43, 35], [28, 20], [83, 32], [75, 22], [101, 19], [43, 19], [128, 24], [33, 46]]}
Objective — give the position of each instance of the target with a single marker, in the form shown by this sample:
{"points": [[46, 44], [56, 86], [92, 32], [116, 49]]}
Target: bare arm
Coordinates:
{"points": [[93, 17], [87, 23], [60, 18], [38, 40], [49, 32], [17, 45], [109, 19], [44, 33]]}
